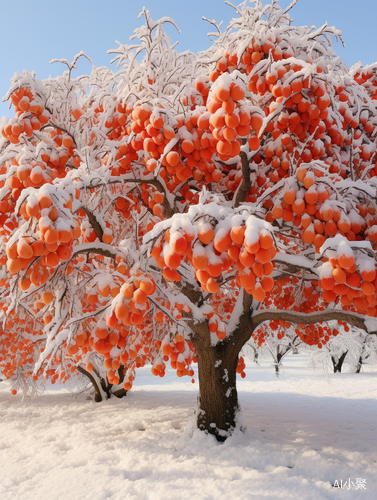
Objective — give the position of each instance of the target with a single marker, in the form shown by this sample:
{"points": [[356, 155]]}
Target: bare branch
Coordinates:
{"points": [[290, 6]]}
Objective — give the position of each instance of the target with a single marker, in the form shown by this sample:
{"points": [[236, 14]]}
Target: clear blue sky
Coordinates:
{"points": [[34, 32]]}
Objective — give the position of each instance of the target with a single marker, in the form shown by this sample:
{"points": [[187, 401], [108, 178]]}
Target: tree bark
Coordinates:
{"points": [[217, 400], [246, 183], [217, 364]]}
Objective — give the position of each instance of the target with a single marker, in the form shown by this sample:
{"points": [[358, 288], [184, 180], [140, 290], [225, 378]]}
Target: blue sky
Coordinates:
{"points": [[34, 32]]}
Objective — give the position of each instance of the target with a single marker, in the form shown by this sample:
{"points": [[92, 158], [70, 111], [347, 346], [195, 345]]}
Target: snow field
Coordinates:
{"points": [[304, 431]]}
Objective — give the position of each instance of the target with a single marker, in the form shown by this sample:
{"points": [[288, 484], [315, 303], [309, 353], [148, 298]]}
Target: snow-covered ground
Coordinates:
{"points": [[304, 432]]}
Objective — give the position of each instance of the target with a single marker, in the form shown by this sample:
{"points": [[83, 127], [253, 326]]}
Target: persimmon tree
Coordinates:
{"points": [[182, 204]]}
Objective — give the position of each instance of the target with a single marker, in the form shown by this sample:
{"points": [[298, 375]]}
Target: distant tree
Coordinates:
{"points": [[367, 354], [351, 346], [277, 341], [174, 208]]}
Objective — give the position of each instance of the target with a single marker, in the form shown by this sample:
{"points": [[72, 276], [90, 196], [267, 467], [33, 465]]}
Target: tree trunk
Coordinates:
{"points": [[361, 357], [359, 364], [217, 364], [337, 364], [217, 399], [256, 356], [97, 391], [102, 387], [278, 358], [110, 389]]}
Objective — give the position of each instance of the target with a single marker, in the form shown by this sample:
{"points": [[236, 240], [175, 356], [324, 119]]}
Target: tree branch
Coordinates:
{"points": [[245, 184], [98, 395], [99, 249], [297, 318], [94, 222], [168, 210], [242, 332], [294, 265]]}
